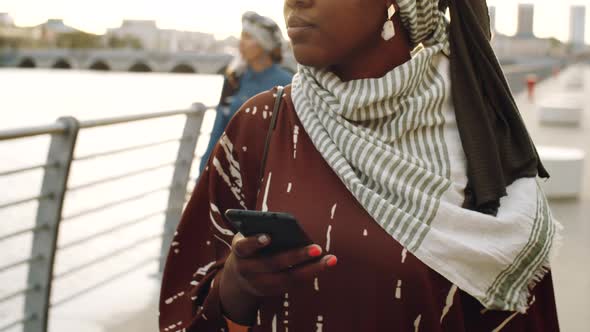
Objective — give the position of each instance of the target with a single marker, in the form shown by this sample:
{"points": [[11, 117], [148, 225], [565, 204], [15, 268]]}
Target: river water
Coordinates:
{"points": [[39, 97]]}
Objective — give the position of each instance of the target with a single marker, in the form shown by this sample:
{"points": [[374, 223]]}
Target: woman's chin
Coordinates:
{"points": [[311, 56]]}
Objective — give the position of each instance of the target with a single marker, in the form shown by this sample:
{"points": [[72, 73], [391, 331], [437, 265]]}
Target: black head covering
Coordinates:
{"points": [[496, 142]]}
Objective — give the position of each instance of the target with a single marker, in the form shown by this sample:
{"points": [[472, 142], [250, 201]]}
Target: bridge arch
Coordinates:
{"points": [[27, 63], [99, 65], [140, 67], [61, 64], [183, 68]]}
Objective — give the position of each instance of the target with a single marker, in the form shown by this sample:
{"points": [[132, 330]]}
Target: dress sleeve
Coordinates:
{"points": [[189, 296]]}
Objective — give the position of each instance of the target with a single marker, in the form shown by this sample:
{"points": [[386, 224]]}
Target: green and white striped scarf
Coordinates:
{"points": [[385, 139]]}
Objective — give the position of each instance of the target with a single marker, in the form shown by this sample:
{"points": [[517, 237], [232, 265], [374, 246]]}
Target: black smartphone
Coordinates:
{"points": [[283, 228]]}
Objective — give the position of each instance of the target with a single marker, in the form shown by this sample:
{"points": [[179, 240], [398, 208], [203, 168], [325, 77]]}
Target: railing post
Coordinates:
{"points": [[55, 181], [181, 177]]}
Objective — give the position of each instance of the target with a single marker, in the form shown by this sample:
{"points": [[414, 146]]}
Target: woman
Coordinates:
{"points": [[257, 69], [400, 150]]}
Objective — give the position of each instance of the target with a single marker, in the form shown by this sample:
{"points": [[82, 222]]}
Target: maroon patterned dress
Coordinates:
{"points": [[376, 286]]}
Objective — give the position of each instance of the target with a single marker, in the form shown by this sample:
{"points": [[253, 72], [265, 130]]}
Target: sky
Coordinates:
{"points": [[222, 18]]}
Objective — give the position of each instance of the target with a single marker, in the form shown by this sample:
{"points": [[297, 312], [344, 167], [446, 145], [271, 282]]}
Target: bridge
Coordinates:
{"points": [[117, 60]]}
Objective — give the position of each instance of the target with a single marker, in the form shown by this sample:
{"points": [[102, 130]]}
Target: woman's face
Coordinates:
{"points": [[250, 49], [328, 32]]}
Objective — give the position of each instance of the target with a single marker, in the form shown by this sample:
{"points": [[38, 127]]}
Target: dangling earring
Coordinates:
{"points": [[388, 28]]}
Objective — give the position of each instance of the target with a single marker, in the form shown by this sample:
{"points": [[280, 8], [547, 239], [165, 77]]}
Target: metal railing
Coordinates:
{"points": [[54, 189]]}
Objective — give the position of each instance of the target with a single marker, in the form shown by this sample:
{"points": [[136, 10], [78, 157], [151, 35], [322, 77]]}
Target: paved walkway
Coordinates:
{"points": [[130, 304], [570, 268]]}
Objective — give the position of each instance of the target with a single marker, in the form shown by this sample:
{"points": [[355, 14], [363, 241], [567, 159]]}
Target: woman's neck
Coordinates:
{"points": [[261, 64], [377, 61]]}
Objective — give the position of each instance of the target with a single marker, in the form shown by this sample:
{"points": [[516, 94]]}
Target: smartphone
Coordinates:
{"points": [[284, 230]]}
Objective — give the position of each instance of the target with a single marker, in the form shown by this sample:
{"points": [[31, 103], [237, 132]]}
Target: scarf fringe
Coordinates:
{"points": [[524, 299]]}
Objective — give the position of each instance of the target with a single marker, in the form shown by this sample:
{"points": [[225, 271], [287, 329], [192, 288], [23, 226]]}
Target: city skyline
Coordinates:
{"points": [[223, 20]]}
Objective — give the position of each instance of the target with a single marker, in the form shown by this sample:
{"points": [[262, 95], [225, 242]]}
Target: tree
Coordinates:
{"points": [[124, 42], [78, 39]]}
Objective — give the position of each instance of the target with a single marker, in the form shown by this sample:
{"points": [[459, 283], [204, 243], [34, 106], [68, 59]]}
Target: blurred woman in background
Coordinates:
{"points": [[255, 70]]}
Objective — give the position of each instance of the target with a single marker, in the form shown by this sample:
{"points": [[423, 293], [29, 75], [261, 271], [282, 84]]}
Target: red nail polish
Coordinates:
{"points": [[314, 252], [332, 261]]}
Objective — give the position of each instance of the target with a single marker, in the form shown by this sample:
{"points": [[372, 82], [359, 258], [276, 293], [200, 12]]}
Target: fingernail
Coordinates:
{"points": [[263, 239], [314, 251], [332, 261]]}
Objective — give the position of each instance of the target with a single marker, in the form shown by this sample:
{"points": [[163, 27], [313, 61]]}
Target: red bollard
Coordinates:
{"points": [[531, 81]]}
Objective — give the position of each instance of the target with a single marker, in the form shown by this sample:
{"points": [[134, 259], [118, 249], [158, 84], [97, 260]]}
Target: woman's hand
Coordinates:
{"points": [[247, 276]]}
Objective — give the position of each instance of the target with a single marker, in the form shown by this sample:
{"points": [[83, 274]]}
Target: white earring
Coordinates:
{"points": [[388, 28]]}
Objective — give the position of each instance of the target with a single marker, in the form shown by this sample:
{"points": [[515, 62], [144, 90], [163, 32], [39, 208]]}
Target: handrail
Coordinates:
{"points": [[17, 322], [23, 231], [63, 136], [26, 169], [111, 254], [57, 128], [25, 200], [132, 118], [19, 263], [121, 176], [127, 149], [109, 230], [9, 134], [113, 203], [104, 282], [19, 292]]}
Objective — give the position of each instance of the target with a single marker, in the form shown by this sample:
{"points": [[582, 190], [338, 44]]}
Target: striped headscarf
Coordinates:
{"points": [[391, 142], [263, 29]]}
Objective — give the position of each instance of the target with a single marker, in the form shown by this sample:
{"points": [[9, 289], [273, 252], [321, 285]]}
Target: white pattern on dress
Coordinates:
{"points": [[222, 230], [449, 302], [333, 211], [398, 290], [505, 322], [417, 323], [265, 200], [328, 237], [203, 270], [295, 135], [237, 191], [320, 324], [222, 240]]}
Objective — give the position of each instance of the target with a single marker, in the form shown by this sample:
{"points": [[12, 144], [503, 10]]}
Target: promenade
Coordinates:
{"points": [[130, 304]]}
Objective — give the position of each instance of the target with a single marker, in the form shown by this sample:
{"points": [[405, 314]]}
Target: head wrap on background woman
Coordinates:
{"points": [[266, 33], [264, 30], [494, 137]]}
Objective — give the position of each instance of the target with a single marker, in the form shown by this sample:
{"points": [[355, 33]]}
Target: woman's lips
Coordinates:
{"points": [[298, 27]]}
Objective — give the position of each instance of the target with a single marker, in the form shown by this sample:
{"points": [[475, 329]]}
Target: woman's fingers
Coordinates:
{"points": [[282, 261], [245, 247], [309, 271], [276, 283]]}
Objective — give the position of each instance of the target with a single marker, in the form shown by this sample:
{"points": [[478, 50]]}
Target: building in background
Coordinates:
{"points": [[6, 20], [156, 39], [577, 26], [526, 18]]}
